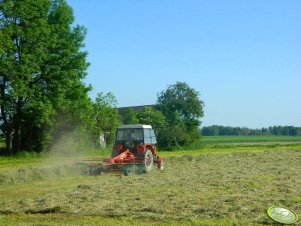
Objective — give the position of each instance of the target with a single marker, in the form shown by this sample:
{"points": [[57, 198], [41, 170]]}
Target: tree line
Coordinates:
{"points": [[216, 130]]}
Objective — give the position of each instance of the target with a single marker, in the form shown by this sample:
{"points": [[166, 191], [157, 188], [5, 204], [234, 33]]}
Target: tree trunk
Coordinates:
{"points": [[8, 142], [7, 129], [16, 141]]}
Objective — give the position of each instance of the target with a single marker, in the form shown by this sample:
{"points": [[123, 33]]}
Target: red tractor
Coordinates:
{"points": [[134, 151]]}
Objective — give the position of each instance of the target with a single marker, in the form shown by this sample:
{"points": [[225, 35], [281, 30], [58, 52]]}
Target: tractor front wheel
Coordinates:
{"points": [[148, 160]]}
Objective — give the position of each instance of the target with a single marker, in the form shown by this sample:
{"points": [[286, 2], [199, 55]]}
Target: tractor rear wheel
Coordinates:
{"points": [[148, 161]]}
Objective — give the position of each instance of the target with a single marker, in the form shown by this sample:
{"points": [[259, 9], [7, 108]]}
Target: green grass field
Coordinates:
{"points": [[230, 181], [249, 139]]}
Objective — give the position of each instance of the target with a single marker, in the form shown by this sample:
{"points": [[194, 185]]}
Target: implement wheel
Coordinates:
{"points": [[148, 161], [127, 171], [93, 171], [161, 165]]}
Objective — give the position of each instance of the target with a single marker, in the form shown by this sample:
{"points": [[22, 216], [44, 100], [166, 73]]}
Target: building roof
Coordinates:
{"points": [[136, 126], [135, 108]]}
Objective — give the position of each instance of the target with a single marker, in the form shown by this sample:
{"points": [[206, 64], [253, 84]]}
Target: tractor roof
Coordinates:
{"points": [[137, 126]]}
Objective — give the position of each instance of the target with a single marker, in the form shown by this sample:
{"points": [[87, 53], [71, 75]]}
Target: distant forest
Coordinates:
{"points": [[243, 131]]}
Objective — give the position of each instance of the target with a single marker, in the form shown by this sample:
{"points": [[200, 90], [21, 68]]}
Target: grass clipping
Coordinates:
{"points": [[238, 186], [27, 175]]}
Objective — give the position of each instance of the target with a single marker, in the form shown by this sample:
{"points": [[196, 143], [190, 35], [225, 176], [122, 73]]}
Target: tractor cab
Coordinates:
{"points": [[136, 138]]}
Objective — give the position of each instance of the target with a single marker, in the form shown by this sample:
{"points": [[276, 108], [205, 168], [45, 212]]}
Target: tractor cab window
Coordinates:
{"points": [[129, 134], [149, 136], [153, 136]]}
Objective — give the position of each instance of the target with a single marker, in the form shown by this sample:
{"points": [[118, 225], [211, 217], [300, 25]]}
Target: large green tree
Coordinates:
{"points": [[41, 70], [182, 107], [151, 116]]}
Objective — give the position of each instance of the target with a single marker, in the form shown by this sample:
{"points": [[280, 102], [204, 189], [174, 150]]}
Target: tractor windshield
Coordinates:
{"points": [[129, 134]]}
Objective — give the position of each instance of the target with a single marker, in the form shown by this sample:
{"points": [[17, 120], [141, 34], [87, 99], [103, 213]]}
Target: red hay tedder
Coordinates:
{"points": [[134, 151]]}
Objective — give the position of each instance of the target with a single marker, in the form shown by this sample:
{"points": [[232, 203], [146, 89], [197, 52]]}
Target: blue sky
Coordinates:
{"points": [[243, 57]]}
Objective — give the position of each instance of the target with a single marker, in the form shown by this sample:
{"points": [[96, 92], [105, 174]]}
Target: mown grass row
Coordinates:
{"points": [[86, 220]]}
